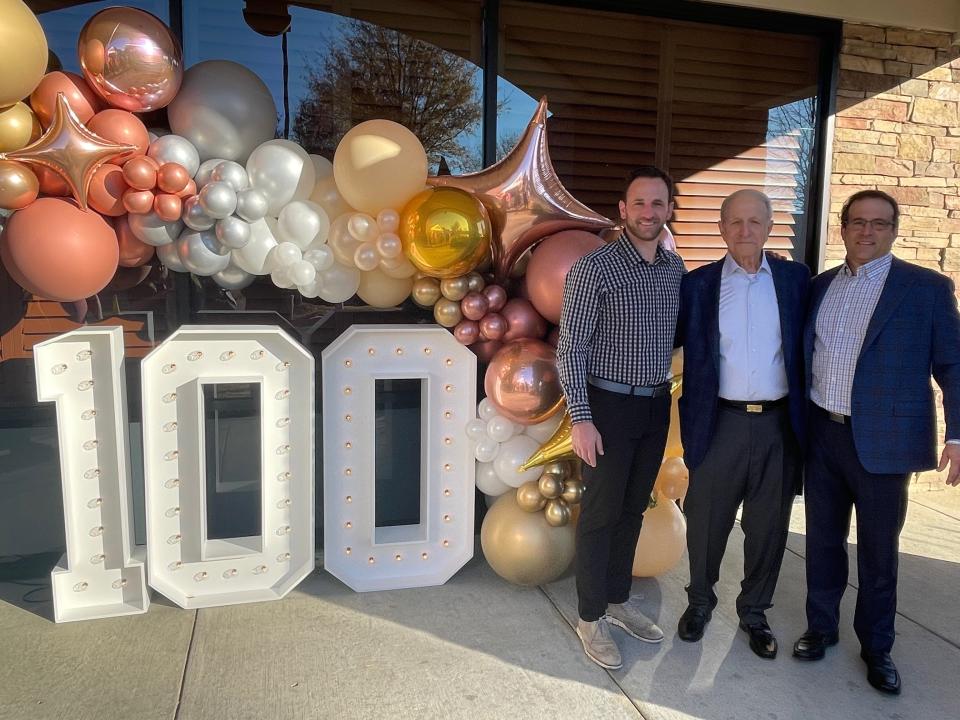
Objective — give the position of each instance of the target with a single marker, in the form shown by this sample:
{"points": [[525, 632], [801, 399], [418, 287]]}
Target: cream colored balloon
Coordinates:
{"points": [[663, 539], [326, 195], [379, 164], [382, 291], [521, 547], [23, 52]]}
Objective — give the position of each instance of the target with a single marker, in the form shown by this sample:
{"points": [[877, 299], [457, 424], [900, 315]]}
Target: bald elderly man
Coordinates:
{"points": [[741, 414]]}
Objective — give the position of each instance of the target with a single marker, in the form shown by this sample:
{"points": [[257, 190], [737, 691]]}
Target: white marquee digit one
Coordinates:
{"points": [[357, 552], [101, 574], [187, 567]]}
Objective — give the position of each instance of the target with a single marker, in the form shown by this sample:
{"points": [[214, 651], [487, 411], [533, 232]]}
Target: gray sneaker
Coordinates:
{"points": [[629, 617], [598, 644]]}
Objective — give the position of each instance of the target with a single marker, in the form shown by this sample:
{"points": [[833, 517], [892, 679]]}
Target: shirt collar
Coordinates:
{"points": [[871, 270], [730, 266], [633, 255]]}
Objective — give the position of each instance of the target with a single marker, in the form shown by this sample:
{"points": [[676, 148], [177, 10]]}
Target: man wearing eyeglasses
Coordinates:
{"points": [[877, 328]]}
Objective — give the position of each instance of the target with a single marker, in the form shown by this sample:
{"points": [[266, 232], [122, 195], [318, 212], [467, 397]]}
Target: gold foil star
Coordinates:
{"points": [[524, 197], [70, 150]]}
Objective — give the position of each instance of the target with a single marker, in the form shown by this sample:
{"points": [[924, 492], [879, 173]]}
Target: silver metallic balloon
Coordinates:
{"points": [[218, 199], [232, 232], [233, 278], [205, 170], [175, 149], [233, 174], [251, 204], [224, 109], [193, 215], [200, 252], [150, 229], [167, 254]]}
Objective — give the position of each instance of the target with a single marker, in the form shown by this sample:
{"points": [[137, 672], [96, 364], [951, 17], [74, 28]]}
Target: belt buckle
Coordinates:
{"points": [[837, 417], [752, 408]]}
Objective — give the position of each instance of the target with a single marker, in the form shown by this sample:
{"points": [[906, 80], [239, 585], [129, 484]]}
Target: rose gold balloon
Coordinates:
{"points": [[130, 58], [523, 383], [522, 320], [167, 207], [107, 189], [81, 99], [133, 251], [138, 202], [549, 265], [492, 326], [474, 306], [524, 197], [496, 296], [485, 350], [140, 173], [18, 185], [121, 127], [189, 191], [172, 178], [51, 183], [69, 149], [467, 332]]}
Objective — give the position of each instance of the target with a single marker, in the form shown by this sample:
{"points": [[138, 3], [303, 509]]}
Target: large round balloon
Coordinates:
{"points": [[282, 171], [523, 383], [19, 126], [121, 127], [252, 256], [130, 59], [133, 251], [445, 232], [57, 251], [522, 547], [673, 479], [23, 52], [224, 109], [379, 164], [382, 291], [81, 99], [549, 265], [663, 538]]}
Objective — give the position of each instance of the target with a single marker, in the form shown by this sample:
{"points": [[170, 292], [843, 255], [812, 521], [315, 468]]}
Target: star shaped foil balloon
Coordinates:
{"points": [[525, 198], [69, 149]]}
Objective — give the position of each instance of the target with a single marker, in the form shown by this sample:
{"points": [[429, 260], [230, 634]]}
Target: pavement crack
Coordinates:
{"points": [[186, 665]]}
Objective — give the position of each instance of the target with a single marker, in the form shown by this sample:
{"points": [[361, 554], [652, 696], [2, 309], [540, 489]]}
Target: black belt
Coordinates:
{"points": [[832, 416], [625, 389], [754, 406]]}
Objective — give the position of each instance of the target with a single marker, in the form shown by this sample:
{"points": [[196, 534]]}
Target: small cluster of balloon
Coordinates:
{"points": [[557, 490]]}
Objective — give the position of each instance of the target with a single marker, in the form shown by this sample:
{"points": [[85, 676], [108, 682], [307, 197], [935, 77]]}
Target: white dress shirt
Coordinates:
{"points": [[751, 346]]}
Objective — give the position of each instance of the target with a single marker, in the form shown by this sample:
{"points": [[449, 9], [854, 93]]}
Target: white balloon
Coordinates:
{"points": [[283, 256], [338, 283], [252, 256], [488, 482], [486, 409], [218, 199], [486, 449], [281, 170], [281, 278], [320, 256], [499, 428], [322, 168], [193, 215], [302, 222], [366, 256], [233, 174], [476, 429], [175, 149], [302, 273], [233, 278], [514, 453], [150, 229], [251, 204], [167, 254], [543, 431]]}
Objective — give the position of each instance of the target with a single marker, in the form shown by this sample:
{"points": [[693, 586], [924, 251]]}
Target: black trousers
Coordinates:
{"points": [[753, 459], [837, 482], [616, 493]]}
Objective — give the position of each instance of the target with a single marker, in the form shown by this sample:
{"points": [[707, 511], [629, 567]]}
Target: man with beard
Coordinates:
{"points": [[617, 328]]}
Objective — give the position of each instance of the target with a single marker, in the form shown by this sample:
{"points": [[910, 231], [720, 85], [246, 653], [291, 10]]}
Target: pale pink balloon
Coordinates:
{"points": [[496, 296], [167, 207], [474, 305], [467, 332], [523, 321], [549, 265], [138, 202], [493, 326]]}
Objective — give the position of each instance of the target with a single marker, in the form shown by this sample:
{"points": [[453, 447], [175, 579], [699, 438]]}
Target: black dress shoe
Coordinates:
{"points": [[762, 640], [813, 645], [881, 672], [692, 622]]}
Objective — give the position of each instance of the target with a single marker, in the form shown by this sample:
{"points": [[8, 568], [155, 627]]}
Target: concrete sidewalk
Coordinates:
{"points": [[480, 648]]}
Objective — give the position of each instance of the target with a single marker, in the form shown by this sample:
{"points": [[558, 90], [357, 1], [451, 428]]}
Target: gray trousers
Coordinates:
{"points": [[753, 459]]}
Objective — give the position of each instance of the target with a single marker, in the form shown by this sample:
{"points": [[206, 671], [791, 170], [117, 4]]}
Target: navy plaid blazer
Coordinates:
{"points": [[914, 333], [698, 330]]}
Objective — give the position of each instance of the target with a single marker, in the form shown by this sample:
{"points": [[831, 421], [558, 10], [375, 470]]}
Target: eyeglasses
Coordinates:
{"points": [[860, 224]]}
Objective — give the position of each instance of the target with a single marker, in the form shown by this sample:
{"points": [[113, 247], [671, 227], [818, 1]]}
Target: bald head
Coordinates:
{"points": [[746, 221], [745, 194]]}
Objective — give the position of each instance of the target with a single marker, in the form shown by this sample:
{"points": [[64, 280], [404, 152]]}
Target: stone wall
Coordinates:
{"points": [[898, 130]]}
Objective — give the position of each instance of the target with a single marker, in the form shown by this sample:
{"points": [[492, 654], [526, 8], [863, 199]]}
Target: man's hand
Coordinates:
{"points": [[587, 443], [951, 455]]}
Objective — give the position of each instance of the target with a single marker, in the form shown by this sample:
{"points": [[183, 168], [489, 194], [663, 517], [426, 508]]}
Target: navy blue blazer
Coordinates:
{"points": [[698, 330], [914, 332]]}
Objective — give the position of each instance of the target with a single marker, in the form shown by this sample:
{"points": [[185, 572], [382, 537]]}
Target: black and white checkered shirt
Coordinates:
{"points": [[618, 320]]}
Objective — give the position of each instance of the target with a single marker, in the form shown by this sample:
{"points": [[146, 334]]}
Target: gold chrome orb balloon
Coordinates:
{"points": [[455, 288], [522, 547], [447, 312], [18, 185], [445, 232], [572, 492], [550, 486], [557, 513], [529, 497]]}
